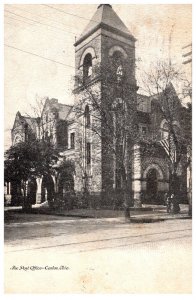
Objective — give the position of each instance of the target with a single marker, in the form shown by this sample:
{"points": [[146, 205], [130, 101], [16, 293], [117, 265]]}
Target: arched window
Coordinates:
{"points": [[117, 58], [87, 116], [117, 49], [87, 66]]}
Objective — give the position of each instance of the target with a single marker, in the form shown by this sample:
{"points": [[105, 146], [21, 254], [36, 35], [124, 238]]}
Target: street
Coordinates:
{"points": [[54, 254]]}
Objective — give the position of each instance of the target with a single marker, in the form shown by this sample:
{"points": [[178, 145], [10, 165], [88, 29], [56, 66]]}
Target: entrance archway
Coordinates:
{"points": [[152, 185]]}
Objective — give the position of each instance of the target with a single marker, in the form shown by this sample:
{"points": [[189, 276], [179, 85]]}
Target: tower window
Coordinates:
{"points": [[88, 153], [87, 116], [72, 140], [87, 66], [117, 58]]}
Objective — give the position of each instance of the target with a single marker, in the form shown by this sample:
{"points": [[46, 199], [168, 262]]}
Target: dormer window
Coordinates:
{"points": [[87, 66]]}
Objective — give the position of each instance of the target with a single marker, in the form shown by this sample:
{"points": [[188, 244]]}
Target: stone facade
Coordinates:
{"points": [[72, 129]]}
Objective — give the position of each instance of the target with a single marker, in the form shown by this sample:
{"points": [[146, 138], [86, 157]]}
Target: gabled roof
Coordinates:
{"points": [[169, 91], [63, 109], [105, 17], [31, 122]]}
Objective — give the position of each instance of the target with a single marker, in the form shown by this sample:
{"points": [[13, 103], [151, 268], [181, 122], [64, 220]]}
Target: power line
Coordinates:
{"points": [[47, 28], [40, 22], [61, 10], [34, 54], [32, 25], [19, 20], [43, 17], [19, 25]]}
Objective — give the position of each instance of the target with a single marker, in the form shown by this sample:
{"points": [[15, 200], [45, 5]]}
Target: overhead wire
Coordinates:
{"points": [[61, 10], [27, 28], [40, 56], [43, 17], [44, 24], [19, 20]]}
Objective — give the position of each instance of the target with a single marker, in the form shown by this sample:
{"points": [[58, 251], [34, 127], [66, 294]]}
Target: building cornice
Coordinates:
{"points": [[108, 28]]}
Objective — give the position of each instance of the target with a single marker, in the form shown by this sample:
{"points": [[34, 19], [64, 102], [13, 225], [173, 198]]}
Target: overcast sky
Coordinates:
{"points": [[50, 33]]}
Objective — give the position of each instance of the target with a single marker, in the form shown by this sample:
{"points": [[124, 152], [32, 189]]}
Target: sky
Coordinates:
{"points": [[49, 33]]}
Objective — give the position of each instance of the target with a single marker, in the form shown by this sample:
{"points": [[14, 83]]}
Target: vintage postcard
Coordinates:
{"points": [[98, 148]]}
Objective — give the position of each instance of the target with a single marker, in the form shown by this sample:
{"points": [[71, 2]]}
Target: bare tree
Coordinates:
{"points": [[46, 126], [158, 83], [111, 97]]}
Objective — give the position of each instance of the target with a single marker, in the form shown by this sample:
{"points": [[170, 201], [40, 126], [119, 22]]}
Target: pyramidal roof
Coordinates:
{"points": [[106, 17]]}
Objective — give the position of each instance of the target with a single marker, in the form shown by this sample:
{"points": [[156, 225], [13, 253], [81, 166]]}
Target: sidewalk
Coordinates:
{"points": [[148, 213]]}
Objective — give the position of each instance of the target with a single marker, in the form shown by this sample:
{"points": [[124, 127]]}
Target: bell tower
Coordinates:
{"points": [[105, 39]]}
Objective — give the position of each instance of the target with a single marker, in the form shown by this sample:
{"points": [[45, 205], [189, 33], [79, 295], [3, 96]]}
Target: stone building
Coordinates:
{"points": [[79, 131]]}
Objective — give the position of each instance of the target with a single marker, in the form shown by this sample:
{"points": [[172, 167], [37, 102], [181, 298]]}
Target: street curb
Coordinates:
{"points": [[157, 219], [133, 219], [52, 213]]}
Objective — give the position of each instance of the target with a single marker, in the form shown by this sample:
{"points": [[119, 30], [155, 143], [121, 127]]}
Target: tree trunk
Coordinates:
{"points": [[26, 203], [175, 191], [126, 196]]}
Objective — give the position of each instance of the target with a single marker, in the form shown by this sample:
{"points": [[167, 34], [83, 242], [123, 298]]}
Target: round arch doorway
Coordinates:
{"points": [[152, 186]]}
